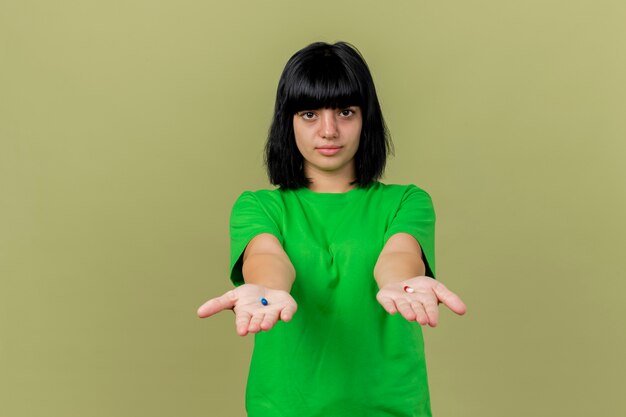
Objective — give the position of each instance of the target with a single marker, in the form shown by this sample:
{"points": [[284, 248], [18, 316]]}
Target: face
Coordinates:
{"points": [[328, 140]]}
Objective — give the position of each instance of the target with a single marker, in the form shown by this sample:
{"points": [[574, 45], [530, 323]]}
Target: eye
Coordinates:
{"points": [[307, 115], [347, 112]]}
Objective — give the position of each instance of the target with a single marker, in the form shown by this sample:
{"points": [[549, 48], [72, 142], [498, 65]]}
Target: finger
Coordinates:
{"points": [[432, 311], [420, 314], [450, 299], [242, 321], [215, 305], [270, 319], [387, 304], [404, 307], [287, 313], [255, 323]]}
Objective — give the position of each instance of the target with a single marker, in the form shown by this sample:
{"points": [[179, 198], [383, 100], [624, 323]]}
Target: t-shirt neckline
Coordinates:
{"points": [[332, 197]]}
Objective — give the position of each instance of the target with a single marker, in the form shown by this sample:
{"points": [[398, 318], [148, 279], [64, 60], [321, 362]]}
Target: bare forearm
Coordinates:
{"points": [[398, 266], [269, 270]]}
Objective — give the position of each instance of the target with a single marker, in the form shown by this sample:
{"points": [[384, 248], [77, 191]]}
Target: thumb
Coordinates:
{"points": [[215, 305], [450, 299]]}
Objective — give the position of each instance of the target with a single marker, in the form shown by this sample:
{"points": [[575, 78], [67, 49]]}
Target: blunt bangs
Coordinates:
{"points": [[322, 81]]}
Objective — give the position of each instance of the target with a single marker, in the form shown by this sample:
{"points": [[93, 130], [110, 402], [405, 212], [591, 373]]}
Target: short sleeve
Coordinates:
{"points": [[416, 216], [249, 217]]}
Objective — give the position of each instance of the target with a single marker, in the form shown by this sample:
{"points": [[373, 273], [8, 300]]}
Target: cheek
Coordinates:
{"points": [[299, 133], [357, 137], [298, 139], [301, 149], [301, 145], [356, 134], [303, 138]]}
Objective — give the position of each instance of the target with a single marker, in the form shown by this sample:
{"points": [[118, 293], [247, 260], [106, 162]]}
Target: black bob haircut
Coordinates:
{"points": [[322, 75]]}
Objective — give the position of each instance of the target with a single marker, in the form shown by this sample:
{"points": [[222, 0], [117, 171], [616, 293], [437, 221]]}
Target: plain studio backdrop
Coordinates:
{"points": [[128, 129]]}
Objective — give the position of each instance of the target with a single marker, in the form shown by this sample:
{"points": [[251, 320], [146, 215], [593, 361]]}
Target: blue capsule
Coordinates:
{"points": [[264, 301]]}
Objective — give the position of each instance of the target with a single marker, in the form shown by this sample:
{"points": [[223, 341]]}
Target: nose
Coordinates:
{"points": [[328, 125]]}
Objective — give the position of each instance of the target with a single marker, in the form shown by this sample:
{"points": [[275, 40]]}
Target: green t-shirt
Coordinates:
{"points": [[342, 354]]}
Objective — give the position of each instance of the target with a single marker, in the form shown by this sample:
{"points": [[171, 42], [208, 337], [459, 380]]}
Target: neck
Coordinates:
{"points": [[327, 182]]}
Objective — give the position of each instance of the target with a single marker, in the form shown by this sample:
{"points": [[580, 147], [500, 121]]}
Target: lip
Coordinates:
{"points": [[328, 150]]}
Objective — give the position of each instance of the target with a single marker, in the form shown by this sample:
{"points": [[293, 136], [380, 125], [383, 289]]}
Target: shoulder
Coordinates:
{"points": [[402, 191], [261, 196], [270, 201]]}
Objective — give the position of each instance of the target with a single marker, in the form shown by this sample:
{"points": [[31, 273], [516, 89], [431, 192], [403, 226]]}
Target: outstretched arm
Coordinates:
{"points": [[266, 263], [400, 265], [268, 275]]}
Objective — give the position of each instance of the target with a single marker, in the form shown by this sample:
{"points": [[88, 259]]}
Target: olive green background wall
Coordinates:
{"points": [[128, 129]]}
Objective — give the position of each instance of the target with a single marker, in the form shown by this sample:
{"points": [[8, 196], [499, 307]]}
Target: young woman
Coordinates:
{"points": [[322, 263]]}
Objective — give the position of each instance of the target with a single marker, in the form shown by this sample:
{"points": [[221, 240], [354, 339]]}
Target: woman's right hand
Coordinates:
{"points": [[251, 316]]}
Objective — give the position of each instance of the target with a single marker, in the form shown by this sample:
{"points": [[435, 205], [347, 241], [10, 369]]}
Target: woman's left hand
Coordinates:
{"points": [[421, 305]]}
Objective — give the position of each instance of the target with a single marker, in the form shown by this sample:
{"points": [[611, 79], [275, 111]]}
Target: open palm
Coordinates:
{"points": [[251, 315], [421, 305]]}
